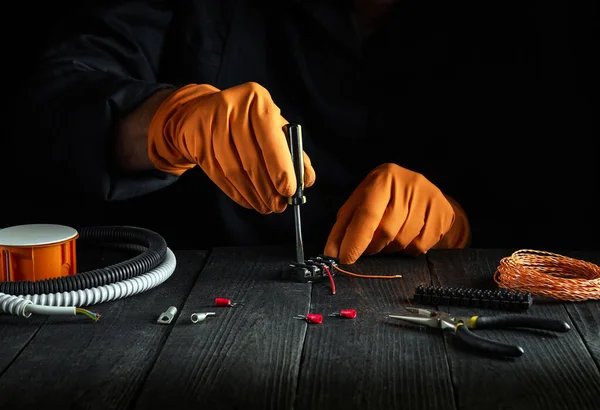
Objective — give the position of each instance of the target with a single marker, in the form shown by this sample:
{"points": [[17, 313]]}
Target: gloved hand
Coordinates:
{"points": [[236, 136], [395, 209]]}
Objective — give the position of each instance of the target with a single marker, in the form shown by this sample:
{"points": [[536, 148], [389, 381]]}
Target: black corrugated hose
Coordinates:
{"points": [[152, 246]]}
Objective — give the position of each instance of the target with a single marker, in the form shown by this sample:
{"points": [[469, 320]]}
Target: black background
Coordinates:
{"points": [[553, 43]]}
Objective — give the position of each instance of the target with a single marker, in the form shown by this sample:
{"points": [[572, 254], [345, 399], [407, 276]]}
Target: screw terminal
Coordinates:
{"points": [[479, 298]]}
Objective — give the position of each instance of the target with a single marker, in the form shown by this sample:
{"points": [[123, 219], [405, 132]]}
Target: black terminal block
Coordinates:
{"points": [[311, 271], [501, 299]]}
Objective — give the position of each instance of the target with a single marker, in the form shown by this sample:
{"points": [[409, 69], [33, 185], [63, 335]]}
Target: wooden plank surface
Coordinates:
{"points": [[15, 335], [73, 362], [586, 315], [257, 356], [246, 357], [373, 362], [556, 371]]}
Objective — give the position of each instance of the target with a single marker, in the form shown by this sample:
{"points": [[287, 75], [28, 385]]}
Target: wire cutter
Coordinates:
{"points": [[461, 327]]}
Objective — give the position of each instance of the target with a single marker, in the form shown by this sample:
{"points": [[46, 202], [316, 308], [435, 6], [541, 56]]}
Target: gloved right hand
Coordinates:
{"points": [[236, 136]]}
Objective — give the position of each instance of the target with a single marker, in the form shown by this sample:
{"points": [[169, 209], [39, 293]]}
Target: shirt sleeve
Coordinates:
{"points": [[96, 71]]}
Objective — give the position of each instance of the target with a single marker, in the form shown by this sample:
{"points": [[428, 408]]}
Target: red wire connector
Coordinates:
{"points": [[225, 302], [347, 313], [310, 318]]}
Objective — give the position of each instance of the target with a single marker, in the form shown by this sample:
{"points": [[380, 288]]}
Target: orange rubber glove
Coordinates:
{"points": [[394, 209], [236, 136], [459, 236]]}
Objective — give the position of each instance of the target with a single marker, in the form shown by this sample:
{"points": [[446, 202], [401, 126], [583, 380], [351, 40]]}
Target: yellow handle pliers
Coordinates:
{"points": [[461, 327]]}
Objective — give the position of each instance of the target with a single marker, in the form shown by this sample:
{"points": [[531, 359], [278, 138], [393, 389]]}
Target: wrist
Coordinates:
{"points": [[132, 134], [459, 235]]}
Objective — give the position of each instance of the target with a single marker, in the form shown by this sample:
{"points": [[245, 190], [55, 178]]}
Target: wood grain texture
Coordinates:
{"points": [[245, 357], [78, 364], [586, 315], [373, 362], [15, 335], [556, 371]]}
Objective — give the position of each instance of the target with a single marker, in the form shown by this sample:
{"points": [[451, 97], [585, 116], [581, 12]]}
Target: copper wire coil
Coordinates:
{"points": [[549, 274]]}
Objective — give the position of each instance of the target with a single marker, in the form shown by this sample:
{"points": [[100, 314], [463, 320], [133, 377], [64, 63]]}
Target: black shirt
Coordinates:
{"points": [[449, 90]]}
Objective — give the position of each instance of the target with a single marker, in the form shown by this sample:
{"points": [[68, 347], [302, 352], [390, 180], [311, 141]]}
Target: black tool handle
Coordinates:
{"points": [[294, 132], [503, 321], [487, 345]]}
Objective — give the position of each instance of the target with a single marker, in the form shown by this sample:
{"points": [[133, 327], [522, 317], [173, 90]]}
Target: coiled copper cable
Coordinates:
{"points": [[549, 274]]}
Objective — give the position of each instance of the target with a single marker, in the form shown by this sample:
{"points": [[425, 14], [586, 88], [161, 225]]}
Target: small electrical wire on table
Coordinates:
{"points": [[322, 268], [360, 275], [94, 316]]}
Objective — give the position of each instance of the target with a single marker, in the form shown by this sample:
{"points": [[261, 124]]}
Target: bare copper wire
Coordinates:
{"points": [[549, 274]]}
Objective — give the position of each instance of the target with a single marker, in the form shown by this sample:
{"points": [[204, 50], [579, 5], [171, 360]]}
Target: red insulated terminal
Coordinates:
{"points": [[225, 302], [347, 313], [311, 318], [314, 318]]}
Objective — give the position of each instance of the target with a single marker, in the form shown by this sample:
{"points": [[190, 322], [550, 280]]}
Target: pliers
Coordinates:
{"points": [[461, 327]]}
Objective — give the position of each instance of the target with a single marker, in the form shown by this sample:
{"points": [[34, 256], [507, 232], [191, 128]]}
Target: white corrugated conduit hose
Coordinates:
{"points": [[67, 295]]}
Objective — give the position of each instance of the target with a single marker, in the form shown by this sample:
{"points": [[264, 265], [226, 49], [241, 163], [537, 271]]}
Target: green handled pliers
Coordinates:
{"points": [[461, 327]]}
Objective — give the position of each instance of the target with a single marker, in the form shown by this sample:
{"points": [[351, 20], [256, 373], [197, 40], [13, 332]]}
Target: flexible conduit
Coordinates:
{"points": [[61, 296]]}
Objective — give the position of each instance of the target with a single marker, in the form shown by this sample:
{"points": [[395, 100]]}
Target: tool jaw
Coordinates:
{"points": [[426, 317], [446, 320]]}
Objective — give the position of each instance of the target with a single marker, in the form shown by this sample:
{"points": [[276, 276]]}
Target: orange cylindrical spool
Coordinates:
{"points": [[37, 251]]}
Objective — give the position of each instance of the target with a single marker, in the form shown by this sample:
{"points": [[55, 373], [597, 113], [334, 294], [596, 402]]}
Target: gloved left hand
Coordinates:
{"points": [[394, 209]]}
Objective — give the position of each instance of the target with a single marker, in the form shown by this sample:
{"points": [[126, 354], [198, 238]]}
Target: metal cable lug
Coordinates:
{"points": [[199, 317], [167, 317]]}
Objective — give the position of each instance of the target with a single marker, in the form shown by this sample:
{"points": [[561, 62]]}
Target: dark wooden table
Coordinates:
{"points": [[258, 357]]}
